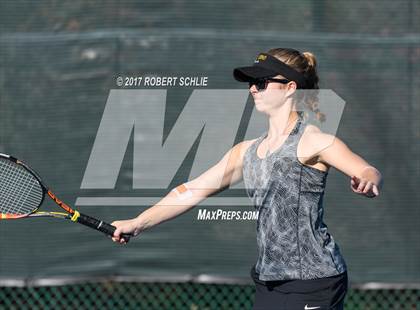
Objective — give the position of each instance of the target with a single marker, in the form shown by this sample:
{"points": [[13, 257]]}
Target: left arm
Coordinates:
{"points": [[365, 179]]}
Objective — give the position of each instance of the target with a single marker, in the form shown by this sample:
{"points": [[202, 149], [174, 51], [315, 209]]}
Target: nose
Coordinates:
{"points": [[253, 89]]}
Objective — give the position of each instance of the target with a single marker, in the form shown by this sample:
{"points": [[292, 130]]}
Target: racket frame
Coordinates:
{"points": [[71, 214]]}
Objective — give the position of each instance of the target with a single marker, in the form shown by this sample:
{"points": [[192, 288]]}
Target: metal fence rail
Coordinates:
{"points": [[110, 294]]}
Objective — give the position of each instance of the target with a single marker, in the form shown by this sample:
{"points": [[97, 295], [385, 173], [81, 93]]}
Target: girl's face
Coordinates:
{"points": [[273, 96]]}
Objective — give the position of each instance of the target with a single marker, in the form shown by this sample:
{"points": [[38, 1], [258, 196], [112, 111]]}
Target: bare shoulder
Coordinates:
{"points": [[234, 158], [314, 140], [247, 143], [243, 146]]}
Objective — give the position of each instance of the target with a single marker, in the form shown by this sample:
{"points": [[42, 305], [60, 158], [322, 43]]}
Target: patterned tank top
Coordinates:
{"points": [[293, 241]]}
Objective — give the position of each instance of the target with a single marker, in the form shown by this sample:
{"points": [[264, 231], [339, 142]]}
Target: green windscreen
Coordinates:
{"points": [[59, 62]]}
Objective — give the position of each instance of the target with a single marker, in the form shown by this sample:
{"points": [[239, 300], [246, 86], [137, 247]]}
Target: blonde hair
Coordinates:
{"points": [[306, 64]]}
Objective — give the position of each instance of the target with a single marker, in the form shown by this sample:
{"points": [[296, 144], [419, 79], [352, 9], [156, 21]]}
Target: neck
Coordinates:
{"points": [[281, 123]]}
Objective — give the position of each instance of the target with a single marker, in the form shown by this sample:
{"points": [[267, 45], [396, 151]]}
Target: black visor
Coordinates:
{"points": [[267, 66]]}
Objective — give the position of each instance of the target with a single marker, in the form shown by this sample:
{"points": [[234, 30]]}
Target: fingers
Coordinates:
{"points": [[367, 191], [123, 227], [122, 241], [361, 186], [364, 187], [116, 236], [375, 190], [367, 188], [117, 233], [354, 184]]}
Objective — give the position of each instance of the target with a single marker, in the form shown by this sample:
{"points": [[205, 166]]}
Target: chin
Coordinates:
{"points": [[258, 101], [259, 106]]}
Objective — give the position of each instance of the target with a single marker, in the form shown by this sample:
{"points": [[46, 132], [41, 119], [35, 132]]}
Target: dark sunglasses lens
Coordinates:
{"points": [[259, 84]]}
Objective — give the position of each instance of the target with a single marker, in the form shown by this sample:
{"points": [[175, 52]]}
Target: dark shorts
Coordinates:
{"points": [[314, 294]]}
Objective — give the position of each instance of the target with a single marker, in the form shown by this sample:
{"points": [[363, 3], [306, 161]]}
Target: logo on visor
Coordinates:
{"points": [[260, 57]]}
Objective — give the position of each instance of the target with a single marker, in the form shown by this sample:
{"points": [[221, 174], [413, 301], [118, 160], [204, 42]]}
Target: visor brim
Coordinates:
{"points": [[247, 74]]}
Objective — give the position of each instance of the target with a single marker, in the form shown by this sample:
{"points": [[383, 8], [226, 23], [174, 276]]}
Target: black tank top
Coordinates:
{"points": [[292, 239]]}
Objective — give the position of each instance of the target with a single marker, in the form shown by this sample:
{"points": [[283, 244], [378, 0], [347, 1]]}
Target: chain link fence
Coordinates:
{"points": [[171, 296]]}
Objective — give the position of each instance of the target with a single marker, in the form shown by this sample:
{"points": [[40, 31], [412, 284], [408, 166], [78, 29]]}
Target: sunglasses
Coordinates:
{"points": [[261, 84]]}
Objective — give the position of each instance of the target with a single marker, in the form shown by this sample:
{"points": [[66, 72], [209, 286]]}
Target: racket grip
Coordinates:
{"points": [[102, 226]]}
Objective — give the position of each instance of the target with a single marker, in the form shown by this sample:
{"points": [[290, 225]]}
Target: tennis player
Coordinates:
{"points": [[299, 263]]}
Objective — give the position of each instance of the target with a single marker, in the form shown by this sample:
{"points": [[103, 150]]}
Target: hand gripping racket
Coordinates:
{"points": [[22, 193]]}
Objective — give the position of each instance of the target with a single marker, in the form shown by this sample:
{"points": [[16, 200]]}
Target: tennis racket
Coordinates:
{"points": [[22, 193]]}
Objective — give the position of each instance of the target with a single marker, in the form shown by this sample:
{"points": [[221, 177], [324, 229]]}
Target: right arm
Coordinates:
{"points": [[227, 171]]}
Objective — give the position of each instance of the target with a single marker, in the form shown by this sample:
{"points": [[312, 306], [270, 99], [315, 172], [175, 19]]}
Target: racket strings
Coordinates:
{"points": [[7, 194], [20, 191], [19, 196], [11, 197], [28, 193], [8, 188]]}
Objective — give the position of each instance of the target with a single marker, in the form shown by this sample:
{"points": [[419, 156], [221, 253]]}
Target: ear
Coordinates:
{"points": [[290, 88]]}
